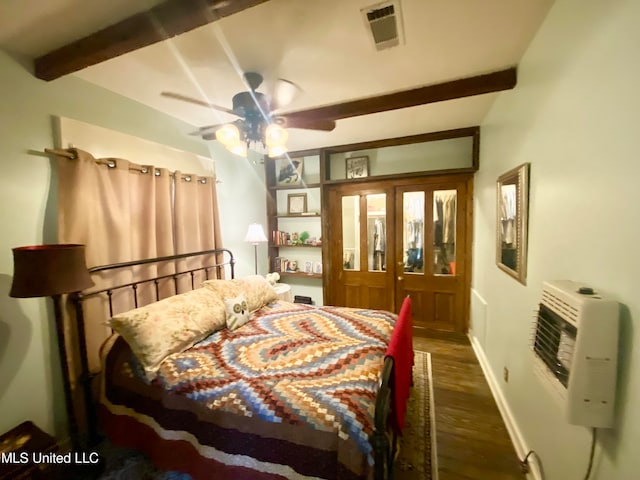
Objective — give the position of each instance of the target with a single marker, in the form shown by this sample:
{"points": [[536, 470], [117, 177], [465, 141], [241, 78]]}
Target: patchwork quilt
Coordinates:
{"points": [[291, 393]]}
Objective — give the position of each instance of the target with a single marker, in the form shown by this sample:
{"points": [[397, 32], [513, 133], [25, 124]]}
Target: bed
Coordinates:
{"points": [[257, 387]]}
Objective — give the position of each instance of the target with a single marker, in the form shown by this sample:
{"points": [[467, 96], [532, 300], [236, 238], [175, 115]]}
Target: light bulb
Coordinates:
{"points": [[275, 135], [239, 148], [228, 135], [277, 150]]}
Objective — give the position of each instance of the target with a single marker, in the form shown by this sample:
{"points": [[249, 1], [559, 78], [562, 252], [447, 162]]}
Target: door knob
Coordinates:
{"points": [[400, 278]]}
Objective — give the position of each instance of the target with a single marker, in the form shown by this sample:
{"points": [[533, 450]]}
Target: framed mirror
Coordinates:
{"points": [[512, 218]]}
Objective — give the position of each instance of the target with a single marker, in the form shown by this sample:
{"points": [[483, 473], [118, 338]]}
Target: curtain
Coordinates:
{"points": [[195, 206], [124, 211]]}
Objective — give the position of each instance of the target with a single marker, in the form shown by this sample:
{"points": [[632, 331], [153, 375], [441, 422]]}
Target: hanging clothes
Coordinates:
{"points": [[444, 217], [449, 220], [415, 237], [379, 245], [438, 215]]}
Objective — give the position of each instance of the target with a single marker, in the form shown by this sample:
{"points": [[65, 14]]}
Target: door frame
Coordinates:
{"points": [[335, 240], [378, 184]]}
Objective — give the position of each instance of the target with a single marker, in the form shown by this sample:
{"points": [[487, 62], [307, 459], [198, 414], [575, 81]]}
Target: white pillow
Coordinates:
{"points": [[168, 326], [255, 288], [237, 311]]}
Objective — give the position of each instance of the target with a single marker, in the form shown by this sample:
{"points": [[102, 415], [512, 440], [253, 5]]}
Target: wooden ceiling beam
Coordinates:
{"points": [[163, 21], [464, 87]]}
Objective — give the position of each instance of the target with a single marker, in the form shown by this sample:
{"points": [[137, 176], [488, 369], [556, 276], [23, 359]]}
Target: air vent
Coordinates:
{"points": [[385, 24]]}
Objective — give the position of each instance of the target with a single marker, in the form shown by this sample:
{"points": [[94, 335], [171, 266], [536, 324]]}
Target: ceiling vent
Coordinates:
{"points": [[384, 22]]}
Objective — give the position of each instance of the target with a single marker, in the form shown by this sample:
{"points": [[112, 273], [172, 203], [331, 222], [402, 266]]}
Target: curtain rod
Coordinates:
{"points": [[61, 153], [65, 153]]}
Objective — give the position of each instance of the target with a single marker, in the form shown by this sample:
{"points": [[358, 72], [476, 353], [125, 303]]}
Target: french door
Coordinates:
{"points": [[389, 239]]}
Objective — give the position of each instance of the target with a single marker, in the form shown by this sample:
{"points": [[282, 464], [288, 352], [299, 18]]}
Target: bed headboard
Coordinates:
{"points": [[138, 282], [208, 261]]}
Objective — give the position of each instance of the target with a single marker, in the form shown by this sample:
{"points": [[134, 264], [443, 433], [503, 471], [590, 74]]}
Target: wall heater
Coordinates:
{"points": [[575, 345]]}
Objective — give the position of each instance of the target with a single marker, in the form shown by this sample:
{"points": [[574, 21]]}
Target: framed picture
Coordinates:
{"points": [[289, 171], [357, 167], [296, 203], [512, 192], [308, 267], [317, 267]]}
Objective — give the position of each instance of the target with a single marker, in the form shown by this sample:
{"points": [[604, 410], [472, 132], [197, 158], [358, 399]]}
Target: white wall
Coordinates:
{"points": [[242, 198], [574, 115], [28, 350]]}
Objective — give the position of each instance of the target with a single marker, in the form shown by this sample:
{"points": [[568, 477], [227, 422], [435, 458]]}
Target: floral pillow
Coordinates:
{"points": [[256, 289], [168, 326], [237, 312]]}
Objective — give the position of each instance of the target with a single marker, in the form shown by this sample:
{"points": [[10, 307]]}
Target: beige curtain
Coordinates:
{"points": [[195, 205], [124, 211]]}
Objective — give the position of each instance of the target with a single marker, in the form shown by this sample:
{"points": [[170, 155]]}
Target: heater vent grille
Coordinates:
{"points": [[559, 305]]}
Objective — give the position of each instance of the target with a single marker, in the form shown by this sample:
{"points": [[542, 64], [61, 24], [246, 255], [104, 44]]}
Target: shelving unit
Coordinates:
{"points": [[307, 278]]}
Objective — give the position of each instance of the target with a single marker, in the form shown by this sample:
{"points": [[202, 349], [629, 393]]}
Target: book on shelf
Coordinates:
{"points": [[280, 238], [277, 264]]}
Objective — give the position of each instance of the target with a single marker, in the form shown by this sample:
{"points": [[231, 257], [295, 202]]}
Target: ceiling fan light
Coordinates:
{"points": [[228, 135], [277, 150], [275, 135], [238, 148], [285, 92]]}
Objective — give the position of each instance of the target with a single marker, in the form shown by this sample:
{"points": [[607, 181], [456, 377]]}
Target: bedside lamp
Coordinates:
{"points": [[50, 271], [255, 235]]}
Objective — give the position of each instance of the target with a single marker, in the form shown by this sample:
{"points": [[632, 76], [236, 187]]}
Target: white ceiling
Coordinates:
{"points": [[322, 46]]}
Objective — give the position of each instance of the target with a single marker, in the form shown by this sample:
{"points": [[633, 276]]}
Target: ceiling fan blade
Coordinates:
{"points": [[195, 101], [324, 124], [208, 132], [209, 136], [207, 129], [284, 92], [464, 87]]}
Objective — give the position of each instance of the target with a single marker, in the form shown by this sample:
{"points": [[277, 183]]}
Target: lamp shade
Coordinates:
{"points": [[255, 234], [228, 134], [46, 270]]}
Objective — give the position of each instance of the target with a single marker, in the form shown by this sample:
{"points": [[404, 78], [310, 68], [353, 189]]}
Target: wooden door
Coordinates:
{"points": [[431, 252], [426, 223], [361, 275]]}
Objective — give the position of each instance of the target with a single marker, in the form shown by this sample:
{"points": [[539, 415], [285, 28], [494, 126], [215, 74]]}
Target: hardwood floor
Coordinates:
{"points": [[472, 440]]}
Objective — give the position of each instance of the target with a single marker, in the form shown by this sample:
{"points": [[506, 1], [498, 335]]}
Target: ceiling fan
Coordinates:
{"points": [[258, 111], [258, 122]]}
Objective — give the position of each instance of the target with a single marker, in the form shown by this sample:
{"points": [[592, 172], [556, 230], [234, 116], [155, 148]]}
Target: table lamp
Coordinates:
{"points": [[50, 271], [255, 235]]}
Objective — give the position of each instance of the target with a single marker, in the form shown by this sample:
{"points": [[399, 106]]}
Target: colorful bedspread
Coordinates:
{"points": [[314, 370]]}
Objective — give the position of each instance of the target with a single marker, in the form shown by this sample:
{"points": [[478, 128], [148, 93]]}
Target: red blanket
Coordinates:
{"points": [[401, 350]]}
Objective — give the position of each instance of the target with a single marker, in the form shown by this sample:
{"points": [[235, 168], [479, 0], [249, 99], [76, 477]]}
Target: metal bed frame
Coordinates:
{"points": [[383, 439]]}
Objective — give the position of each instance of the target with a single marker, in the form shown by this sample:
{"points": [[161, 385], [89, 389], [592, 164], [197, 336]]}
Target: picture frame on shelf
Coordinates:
{"points": [[289, 171], [296, 203], [357, 167], [317, 268], [308, 267]]}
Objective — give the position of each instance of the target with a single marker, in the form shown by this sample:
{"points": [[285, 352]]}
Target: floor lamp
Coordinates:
{"points": [[50, 271], [255, 235]]}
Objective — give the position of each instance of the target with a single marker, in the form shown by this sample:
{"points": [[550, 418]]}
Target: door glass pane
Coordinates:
{"points": [[376, 231], [444, 232], [413, 231], [351, 232]]}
